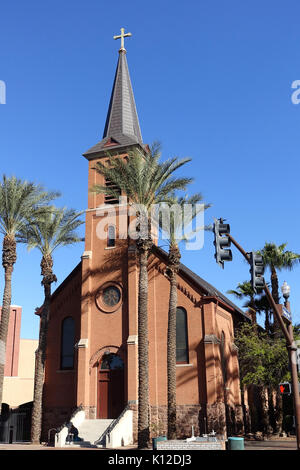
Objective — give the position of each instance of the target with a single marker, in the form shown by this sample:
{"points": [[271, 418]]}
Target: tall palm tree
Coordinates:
{"points": [[277, 258], [146, 182], [19, 201], [172, 229], [55, 229]]}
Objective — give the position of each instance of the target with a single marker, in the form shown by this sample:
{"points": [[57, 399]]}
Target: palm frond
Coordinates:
{"points": [[57, 227], [19, 202], [143, 178]]}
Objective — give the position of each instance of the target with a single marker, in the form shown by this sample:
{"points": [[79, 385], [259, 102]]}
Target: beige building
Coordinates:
{"points": [[19, 389]]}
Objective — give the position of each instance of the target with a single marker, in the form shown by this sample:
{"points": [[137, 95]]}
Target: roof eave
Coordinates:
{"points": [[114, 150]]}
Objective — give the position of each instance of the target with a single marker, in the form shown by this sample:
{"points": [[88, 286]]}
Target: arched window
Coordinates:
{"points": [[111, 362], [67, 343], [182, 349], [111, 236]]}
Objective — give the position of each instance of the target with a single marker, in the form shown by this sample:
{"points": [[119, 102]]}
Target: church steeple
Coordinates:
{"points": [[122, 127]]}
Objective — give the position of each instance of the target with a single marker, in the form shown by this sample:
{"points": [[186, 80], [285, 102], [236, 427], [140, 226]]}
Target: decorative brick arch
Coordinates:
{"points": [[95, 359]]}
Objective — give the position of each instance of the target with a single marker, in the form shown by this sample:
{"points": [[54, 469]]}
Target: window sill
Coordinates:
{"points": [[109, 247], [184, 365]]}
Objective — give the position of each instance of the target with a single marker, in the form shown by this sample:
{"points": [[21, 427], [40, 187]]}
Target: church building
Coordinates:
{"points": [[92, 345]]}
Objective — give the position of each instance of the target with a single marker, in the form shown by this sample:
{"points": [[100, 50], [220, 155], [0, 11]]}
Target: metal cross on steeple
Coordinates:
{"points": [[122, 36]]}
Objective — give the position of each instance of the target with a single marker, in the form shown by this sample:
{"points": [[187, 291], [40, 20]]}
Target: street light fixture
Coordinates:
{"points": [[285, 289]]}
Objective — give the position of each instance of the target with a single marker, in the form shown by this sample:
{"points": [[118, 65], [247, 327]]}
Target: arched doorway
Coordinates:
{"points": [[110, 387]]}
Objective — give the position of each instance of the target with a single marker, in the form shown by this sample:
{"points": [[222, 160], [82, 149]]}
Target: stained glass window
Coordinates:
{"points": [[111, 296], [182, 351], [67, 343]]}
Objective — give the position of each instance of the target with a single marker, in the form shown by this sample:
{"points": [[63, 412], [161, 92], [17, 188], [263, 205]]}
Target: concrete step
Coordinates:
{"points": [[90, 430], [86, 444]]}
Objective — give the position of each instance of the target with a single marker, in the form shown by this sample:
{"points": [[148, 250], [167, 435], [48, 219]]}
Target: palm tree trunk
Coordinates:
{"points": [[40, 357], [173, 266], [143, 356], [9, 257], [274, 283], [267, 322], [171, 357], [272, 420], [264, 409], [253, 313], [275, 295], [279, 412]]}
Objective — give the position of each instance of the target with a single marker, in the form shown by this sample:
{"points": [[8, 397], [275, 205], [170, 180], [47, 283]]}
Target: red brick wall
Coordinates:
{"points": [[60, 385]]}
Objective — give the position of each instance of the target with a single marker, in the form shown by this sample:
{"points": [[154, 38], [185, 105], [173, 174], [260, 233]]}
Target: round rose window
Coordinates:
{"points": [[109, 297]]}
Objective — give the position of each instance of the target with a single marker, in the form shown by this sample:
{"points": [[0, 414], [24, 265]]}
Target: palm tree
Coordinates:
{"points": [[146, 182], [245, 290], [19, 201], [277, 258], [56, 228], [172, 228]]}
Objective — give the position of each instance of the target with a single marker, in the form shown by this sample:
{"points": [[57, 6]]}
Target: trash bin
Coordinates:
{"points": [[235, 443], [157, 439]]}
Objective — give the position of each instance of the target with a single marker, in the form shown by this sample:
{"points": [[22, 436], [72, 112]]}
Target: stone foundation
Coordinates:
{"points": [[54, 418], [204, 419]]}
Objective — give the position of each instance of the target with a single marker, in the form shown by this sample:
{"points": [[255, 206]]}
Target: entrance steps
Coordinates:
{"points": [[89, 431]]}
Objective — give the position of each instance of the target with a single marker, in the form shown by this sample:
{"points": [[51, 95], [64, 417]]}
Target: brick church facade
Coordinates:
{"points": [[92, 346]]}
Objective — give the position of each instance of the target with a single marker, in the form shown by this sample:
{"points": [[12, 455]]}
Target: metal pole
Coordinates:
{"points": [[244, 253], [292, 350]]}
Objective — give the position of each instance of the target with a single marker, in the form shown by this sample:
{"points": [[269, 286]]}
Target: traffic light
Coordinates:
{"points": [[222, 242], [285, 388], [257, 270]]}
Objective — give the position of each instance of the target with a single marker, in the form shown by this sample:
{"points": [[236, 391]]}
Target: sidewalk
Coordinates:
{"points": [[272, 444], [28, 446]]}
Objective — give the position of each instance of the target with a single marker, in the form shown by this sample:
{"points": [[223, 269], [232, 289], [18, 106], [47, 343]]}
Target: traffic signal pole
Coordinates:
{"points": [[292, 350], [290, 343]]}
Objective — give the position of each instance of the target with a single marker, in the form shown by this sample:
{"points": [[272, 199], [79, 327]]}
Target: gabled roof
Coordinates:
{"points": [[122, 128], [66, 281]]}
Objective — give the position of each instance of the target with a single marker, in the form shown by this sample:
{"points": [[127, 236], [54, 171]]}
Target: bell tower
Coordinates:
{"points": [[109, 271]]}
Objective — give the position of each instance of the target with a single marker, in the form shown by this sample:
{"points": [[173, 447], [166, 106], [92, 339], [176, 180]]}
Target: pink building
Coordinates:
{"points": [[13, 341]]}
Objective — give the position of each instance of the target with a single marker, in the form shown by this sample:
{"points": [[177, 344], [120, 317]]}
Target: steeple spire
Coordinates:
{"points": [[122, 127]]}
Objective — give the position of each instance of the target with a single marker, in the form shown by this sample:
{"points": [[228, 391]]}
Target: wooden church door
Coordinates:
{"points": [[110, 387]]}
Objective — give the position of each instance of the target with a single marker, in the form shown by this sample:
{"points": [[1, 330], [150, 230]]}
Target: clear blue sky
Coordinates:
{"points": [[212, 80]]}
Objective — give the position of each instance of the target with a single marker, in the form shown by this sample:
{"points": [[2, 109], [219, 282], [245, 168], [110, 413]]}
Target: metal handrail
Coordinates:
{"points": [[49, 431], [112, 425]]}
